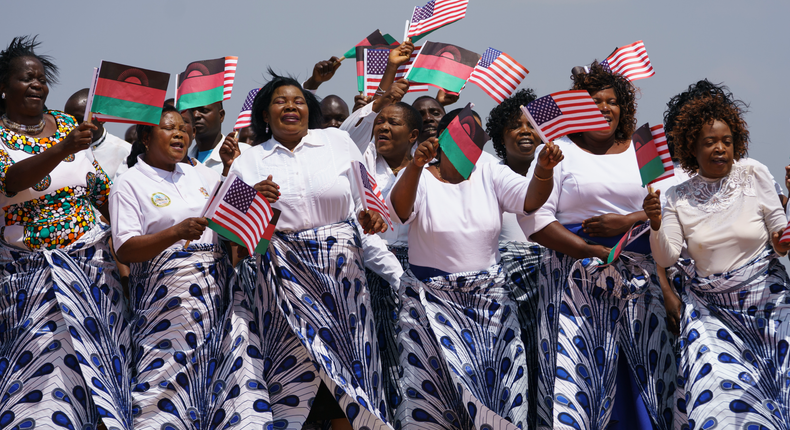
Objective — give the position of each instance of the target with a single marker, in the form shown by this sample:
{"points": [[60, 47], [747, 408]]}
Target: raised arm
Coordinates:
{"points": [[404, 192], [666, 237], [543, 178]]}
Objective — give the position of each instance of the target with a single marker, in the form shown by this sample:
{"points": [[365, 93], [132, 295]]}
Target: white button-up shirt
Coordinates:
{"points": [[147, 200], [316, 188]]}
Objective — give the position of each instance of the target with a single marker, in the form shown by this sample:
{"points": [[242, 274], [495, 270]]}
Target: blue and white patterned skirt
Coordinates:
{"points": [[64, 338], [588, 315], [462, 359], [314, 315], [195, 357], [735, 343]]}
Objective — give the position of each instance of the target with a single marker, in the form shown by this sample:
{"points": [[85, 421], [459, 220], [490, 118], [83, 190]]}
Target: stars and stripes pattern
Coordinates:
{"points": [[243, 211], [631, 61], [436, 14], [498, 74], [660, 138], [375, 62], [369, 192], [230, 76], [785, 235], [565, 112], [245, 116]]}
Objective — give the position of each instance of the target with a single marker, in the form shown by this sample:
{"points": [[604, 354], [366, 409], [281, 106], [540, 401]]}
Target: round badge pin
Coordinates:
{"points": [[160, 200]]}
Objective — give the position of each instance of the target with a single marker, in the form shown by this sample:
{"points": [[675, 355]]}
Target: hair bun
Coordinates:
{"points": [[579, 70]]}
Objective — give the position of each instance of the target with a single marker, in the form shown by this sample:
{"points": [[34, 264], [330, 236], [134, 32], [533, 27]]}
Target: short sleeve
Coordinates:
{"points": [[510, 188], [125, 216], [5, 163], [98, 185]]}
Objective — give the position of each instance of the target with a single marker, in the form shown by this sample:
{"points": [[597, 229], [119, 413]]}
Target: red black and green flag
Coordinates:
{"points": [[206, 82], [463, 140], [638, 229], [444, 66], [651, 166], [375, 40], [129, 94]]}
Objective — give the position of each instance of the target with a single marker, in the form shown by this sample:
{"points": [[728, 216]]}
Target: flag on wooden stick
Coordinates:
{"points": [[128, 94], [206, 82], [565, 112], [631, 61], [434, 15], [660, 137], [241, 214], [245, 116], [463, 140], [498, 74], [443, 66], [369, 192]]}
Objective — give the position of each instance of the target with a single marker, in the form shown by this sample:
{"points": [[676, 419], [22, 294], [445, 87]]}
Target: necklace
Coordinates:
{"points": [[26, 129]]}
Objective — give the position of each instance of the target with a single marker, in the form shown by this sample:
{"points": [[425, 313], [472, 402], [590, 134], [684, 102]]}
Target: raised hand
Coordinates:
{"points": [[425, 152], [229, 151], [445, 99], [79, 139], [322, 72], [400, 55], [371, 222], [652, 207]]}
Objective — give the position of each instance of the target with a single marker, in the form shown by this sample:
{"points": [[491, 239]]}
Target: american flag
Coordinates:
{"points": [[243, 211], [785, 235], [435, 14], [498, 74], [660, 138], [245, 116], [372, 198], [375, 63], [631, 61], [565, 112], [230, 76]]}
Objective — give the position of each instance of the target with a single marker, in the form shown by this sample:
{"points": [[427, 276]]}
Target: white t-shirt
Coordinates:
{"points": [[587, 185], [455, 227], [725, 222], [316, 188], [111, 152], [147, 200], [214, 161]]}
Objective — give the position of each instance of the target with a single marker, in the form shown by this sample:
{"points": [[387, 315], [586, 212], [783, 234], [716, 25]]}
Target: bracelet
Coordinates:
{"points": [[535, 175], [379, 92]]}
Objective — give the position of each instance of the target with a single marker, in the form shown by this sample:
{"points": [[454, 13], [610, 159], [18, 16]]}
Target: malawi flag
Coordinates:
{"points": [[206, 82], [463, 140], [375, 38], [444, 66], [651, 166], [129, 94], [638, 229]]}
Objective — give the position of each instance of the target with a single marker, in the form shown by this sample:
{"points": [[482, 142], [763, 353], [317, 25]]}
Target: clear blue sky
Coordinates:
{"points": [[742, 44]]}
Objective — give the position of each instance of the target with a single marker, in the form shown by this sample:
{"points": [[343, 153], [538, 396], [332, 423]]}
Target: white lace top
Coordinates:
{"points": [[725, 222]]}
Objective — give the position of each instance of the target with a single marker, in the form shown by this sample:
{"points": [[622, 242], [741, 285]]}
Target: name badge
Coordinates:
{"points": [[160, 200]]}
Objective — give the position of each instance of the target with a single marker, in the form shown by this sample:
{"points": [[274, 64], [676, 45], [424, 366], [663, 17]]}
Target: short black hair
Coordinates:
{"points": [[427, 97], [264, 98], [504, 117], [695, 91], [21, 47], [143, 130], [411, 116]]}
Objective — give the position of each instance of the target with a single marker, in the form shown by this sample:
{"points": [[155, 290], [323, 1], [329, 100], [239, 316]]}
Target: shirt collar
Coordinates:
{"points": [[311, 139], [100, 140], [155, 174]]}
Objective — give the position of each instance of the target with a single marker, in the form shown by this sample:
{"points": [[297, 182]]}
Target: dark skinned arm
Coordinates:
{"points": [[404, 192], [555, 236], [145, 247]]}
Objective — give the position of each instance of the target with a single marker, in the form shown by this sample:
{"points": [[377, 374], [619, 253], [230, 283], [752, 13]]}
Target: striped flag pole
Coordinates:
{"points": [[406, 30], [175, 95], [88, 114]]}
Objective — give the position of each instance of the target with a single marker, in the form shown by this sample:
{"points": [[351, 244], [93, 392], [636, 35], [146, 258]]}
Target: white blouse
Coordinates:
{"points": [[455, 227], [588, 185], [147, 200], [316, 188], [725, 222]]}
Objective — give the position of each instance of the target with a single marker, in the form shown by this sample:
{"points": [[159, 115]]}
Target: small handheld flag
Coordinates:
{"points": [[245, 116], [375, 61], [498, 74], [631, 61], [129, 94], [638, 229], [660, 137], [241, 214], [463, 140], [565, 112], [369, 190], [444, 66], [434, 15], [651, 167], [374, 39], [785, 235], [206, 82]]}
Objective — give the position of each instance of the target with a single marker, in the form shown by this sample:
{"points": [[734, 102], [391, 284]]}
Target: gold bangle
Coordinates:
{"points": [[535, 175]]}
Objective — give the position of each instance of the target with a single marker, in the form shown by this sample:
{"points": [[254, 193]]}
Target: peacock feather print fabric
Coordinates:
{"points": [[64, 338]]}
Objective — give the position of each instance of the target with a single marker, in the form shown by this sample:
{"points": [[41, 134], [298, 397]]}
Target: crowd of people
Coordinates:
{"points": [[485, 303]]}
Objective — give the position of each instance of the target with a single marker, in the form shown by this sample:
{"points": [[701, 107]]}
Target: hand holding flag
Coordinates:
{"points": [[782, 240], [372, 201], [652, 207], [425, 152]]}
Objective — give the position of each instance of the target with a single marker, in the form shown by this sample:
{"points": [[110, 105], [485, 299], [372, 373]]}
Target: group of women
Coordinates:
{"points": [[486, 305]]}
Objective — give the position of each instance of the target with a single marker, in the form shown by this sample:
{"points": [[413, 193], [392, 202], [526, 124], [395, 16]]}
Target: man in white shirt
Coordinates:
{"points": [[110, 151], [207, 125]]}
